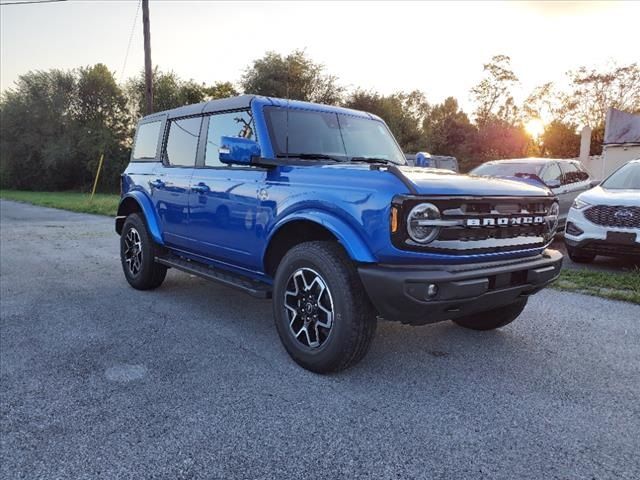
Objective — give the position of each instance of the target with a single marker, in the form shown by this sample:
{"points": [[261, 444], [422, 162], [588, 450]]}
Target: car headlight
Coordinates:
{"points": [[579, 204], [420, 225]]}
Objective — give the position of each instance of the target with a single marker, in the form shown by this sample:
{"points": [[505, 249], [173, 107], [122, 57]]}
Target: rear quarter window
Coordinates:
{"points": [[146, 144]]}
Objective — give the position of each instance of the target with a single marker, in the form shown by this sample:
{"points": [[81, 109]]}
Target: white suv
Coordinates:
{"points": [[606, 219]]}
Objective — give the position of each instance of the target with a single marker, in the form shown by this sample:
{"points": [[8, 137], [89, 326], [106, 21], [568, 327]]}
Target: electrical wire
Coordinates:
{"points": [[133, 29], [30, 2]]}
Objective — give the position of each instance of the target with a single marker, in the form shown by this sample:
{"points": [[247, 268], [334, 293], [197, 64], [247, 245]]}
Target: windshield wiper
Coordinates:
{"points": [[370, 160], [309, 156]]}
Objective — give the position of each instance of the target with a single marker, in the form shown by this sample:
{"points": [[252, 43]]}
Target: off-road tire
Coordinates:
{"points": [[354, 318], [492, 319], [580, 256], [150, 274]]}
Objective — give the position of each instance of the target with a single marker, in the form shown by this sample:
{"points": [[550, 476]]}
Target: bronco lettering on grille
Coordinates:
{"points": [[503, 221]]}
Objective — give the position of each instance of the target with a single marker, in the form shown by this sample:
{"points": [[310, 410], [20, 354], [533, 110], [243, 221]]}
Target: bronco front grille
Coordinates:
{"points": [[614, 216], [481, 225]]}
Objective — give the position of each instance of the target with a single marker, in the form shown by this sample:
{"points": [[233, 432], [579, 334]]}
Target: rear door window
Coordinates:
{"points": [[146, 144], [571, 173], [182, 142]]}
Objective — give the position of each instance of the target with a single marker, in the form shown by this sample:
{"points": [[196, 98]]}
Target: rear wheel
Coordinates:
{"points": [[324, 318], [492, 319], [137, 255], [580, 256]]}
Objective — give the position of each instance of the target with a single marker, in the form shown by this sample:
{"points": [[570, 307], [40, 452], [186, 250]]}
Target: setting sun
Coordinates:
{"points": [[534, 127]]}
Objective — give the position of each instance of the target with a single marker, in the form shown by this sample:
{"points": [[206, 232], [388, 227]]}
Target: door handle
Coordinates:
{"points": [[200, 188], [157, 183]]}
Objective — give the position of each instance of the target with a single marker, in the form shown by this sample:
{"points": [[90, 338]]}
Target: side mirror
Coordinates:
{"points": [[552, 183], [594, 183], [238, 150]]}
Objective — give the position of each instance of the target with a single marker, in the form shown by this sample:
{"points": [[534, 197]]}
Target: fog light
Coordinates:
{"points": [[573, 229], [432, 291]]}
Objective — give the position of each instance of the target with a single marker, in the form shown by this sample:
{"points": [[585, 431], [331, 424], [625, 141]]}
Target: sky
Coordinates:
{"points": [[436, 47]]}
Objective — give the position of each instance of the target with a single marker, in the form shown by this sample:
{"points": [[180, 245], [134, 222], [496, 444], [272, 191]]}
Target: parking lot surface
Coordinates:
{"points": [[190, 381]]}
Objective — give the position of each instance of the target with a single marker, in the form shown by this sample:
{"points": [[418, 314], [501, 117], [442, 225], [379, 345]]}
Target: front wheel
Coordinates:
{"points": [[323, 317], [137, 255], [492, 319]]}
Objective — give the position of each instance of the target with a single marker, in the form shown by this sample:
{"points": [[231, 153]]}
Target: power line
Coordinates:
{"points": [[30, 2], [133, 28]]}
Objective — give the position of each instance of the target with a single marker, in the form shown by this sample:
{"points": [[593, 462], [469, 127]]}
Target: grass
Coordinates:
{"points": [[102, 203], [614, 285]]}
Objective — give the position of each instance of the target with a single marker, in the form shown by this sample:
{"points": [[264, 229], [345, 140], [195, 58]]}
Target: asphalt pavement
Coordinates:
{"points": [[100, 381]]}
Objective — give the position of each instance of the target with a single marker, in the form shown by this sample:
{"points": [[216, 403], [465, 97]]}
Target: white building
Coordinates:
{"points": [[621, 144]]}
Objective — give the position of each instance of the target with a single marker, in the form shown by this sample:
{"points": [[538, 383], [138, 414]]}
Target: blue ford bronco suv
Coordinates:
{"points": [[315, 207]]}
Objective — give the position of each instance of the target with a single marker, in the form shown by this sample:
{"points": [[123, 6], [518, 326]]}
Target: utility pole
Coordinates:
{"points": [[148, 74]]}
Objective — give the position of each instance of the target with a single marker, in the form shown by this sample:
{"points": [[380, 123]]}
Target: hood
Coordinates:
{"points": [[615, 197], [430, 181]]}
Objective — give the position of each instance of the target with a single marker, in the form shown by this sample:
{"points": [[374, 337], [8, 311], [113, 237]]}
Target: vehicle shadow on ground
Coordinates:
{"points": [[398, 352]]}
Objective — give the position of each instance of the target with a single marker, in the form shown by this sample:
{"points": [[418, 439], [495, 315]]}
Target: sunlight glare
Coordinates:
{"points": [[534, 127]]}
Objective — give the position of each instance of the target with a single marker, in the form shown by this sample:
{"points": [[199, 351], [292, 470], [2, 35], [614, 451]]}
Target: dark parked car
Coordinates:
{"points": [[565, 178]]}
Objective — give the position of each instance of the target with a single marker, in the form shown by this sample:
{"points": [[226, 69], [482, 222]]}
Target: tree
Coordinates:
{"points": [[169, 91], [592, 93], [403, 112], [546, 103], [220, 90], [448, 131], [560, 140], [497, 139], [102, 125], [36, 117], [493, 94], [56, 124], [295, 76]]}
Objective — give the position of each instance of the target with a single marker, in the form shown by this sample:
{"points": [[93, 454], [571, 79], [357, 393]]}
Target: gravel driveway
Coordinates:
{"points": [[190, 381]]}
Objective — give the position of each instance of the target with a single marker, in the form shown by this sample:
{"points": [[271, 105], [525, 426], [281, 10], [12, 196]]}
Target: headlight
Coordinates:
{"points": [[420, 225], [579, 204]]}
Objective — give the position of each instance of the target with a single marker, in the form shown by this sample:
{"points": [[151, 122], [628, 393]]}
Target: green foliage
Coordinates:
{"points": [[403, 112], [493, 94], [616, 286], [447, 130], [220, 90], [102, 204], [294, 76], [498, 139], [560, 140], [592, 93], [169, 91], [54, 126]]}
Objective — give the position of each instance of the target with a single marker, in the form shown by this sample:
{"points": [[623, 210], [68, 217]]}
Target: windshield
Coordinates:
{"points": [[626, 177], [338, 136], [506, 169]]}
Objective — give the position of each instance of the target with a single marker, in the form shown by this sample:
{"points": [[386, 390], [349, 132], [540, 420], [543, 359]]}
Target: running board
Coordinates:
{"points": [[252, 287]]}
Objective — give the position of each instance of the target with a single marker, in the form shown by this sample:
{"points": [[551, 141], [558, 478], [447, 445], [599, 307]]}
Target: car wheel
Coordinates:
{"points": [[137, 255], [322, 314], [580, 256], [492, 319]]}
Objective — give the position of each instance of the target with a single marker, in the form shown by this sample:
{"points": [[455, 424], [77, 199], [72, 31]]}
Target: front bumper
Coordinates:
{"points": [[400, 292], [593, 238]]}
